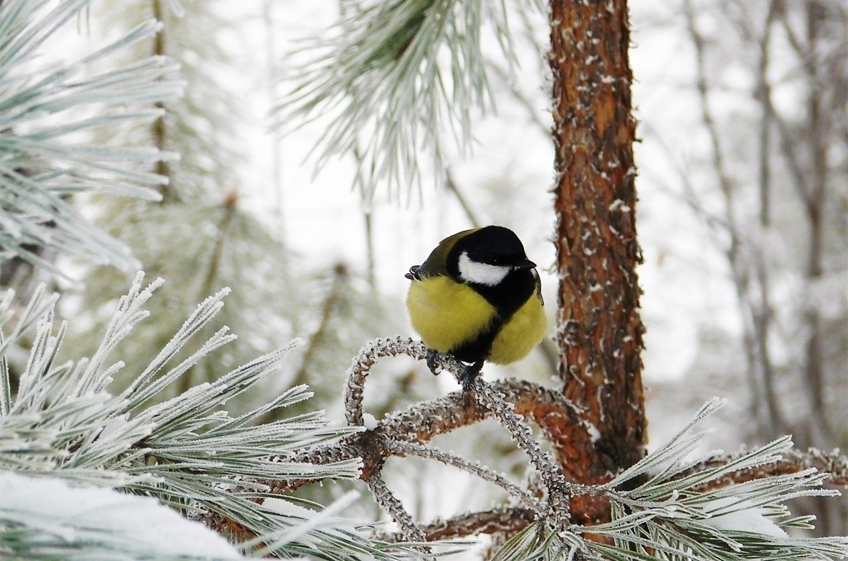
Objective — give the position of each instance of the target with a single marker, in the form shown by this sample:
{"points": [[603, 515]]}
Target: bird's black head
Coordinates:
{"points": [[486, 256]]}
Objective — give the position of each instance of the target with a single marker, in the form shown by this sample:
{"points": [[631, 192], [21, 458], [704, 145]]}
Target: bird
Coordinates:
{"points": [[478, 298]]}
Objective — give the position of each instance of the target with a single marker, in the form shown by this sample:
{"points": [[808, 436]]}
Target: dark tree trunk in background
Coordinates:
{"points": [[599, 330]]}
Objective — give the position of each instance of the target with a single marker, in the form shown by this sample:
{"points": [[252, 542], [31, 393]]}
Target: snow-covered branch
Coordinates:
{"points": [[62, 422], [662, 503]]}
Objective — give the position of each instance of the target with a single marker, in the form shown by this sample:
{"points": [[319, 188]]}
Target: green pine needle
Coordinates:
{"points": [[405, 75]]}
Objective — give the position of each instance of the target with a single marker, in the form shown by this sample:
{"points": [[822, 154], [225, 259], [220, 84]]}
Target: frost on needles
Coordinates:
{"points": [[188, 452]]}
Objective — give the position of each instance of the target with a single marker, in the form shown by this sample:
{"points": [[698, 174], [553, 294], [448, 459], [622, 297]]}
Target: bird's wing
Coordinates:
{"points": [[538, 286], [414, 273], [436, 263]]}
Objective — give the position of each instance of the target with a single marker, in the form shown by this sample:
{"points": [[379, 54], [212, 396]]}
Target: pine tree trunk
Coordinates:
{"points": [[599, 330]]}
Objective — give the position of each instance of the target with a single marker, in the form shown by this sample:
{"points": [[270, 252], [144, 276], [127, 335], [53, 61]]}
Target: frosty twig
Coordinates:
{"points": [[558, 489]]}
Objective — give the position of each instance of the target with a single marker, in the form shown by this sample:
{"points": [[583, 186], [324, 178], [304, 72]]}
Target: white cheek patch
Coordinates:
{"points": [[481, 273]]}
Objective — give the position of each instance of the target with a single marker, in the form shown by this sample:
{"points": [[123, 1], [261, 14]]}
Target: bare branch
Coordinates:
{"points": [[559, 491], [422, 421], [499, 520], [450, 183], [409, 449], [392, 505], [759, 368]]}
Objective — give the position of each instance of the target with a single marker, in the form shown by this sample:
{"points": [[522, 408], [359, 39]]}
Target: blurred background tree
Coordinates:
{"points": [[758, 165]]}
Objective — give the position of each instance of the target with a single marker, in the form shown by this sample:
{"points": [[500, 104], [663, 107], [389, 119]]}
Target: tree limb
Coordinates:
{"points": [[507, 520], [834, 463]]}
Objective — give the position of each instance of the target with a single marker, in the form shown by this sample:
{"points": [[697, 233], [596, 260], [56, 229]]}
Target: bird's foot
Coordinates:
{"points": [[431, 362], [469, 375]]}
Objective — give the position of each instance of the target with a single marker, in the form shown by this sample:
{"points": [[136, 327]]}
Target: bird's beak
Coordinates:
{"points": [[524, 265]]}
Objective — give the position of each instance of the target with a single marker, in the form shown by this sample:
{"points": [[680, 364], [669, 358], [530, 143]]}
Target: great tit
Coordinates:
{"points": [[478, 298]]}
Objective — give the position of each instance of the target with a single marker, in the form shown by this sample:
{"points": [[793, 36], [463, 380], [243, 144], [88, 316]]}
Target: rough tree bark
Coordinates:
{"points": [[599, 330]]}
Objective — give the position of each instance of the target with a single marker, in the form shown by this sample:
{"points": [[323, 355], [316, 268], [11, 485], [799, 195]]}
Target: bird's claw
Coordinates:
{"points": [[469, 375], [431, 362]]}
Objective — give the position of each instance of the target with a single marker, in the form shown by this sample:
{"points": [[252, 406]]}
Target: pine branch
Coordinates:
{"points": [[46, 154], [506, 520], [833, 464], [187, 451], [403, 449], [559, 491], [557, 513], [44, 518], [665, 503], [383, 68], [389, 503], [422, 421]]}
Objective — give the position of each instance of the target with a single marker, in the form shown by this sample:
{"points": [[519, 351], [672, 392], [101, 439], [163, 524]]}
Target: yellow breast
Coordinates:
{"points": [[518, 336], [447, 314]]}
